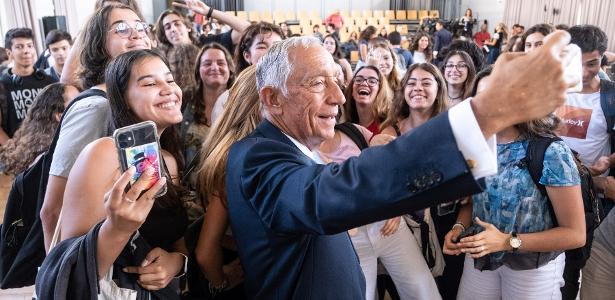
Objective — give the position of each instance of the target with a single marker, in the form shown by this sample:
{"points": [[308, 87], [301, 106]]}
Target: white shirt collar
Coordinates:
{"points": [[309, 153]]}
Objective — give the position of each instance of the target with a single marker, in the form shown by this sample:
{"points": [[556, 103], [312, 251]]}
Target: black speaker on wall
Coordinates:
{"points": [[51, 23]]}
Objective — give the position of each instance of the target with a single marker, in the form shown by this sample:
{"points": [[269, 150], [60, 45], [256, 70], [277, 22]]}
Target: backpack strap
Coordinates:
{"points": [[353, 133], [607, 103], [4, 109], [534, 161]]}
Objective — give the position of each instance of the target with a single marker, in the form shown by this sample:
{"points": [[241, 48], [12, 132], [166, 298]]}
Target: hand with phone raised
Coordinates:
{"points": [[127, 210]]}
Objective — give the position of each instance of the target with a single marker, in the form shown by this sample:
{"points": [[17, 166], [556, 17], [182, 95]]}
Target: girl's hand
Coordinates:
{"points": [[157, 269], [489, 241], [450, 247], [390, 226], [234, 273]]}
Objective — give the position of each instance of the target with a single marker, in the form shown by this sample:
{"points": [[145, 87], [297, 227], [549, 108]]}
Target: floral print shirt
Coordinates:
{"points": [[511, 200]]}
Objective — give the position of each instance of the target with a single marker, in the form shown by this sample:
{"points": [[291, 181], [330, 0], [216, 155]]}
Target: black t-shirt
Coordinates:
{"points": [[19, 94], [224, 39]]}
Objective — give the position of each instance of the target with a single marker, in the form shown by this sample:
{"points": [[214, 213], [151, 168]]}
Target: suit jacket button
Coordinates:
{"points": [[419, 183], [436, 176]]}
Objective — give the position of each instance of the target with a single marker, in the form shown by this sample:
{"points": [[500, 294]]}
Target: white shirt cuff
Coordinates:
{"points": [[481, 154]]}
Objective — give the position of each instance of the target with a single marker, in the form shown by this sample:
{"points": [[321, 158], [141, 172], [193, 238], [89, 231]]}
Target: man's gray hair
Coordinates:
{"points": [[273, 69]]}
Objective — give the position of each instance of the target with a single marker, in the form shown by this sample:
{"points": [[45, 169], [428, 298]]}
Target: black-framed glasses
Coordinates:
{"points": [[371, 81], [124, 30], [459, 67]]}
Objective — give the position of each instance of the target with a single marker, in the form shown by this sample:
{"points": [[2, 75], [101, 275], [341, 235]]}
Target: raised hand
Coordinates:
{"points": [[197, 6], [126, 211]]}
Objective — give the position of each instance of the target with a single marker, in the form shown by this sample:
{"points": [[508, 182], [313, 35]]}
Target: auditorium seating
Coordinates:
{"points": [[356, 20]]}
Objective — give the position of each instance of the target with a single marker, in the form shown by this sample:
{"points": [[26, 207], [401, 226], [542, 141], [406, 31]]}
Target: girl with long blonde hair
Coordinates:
{"points": [[241, 115]]}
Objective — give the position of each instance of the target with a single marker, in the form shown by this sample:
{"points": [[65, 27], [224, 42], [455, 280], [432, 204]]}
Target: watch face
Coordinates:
{"points": [[515, 242]]}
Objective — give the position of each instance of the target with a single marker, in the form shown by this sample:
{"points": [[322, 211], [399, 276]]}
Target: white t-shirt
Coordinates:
{"points": [[584, 127], [418, 57]]}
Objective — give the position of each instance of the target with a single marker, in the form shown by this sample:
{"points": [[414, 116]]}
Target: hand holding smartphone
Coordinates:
{"points": [[138, 146]]}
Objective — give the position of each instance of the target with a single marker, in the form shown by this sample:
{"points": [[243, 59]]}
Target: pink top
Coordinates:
{"points": [[347, 148]]}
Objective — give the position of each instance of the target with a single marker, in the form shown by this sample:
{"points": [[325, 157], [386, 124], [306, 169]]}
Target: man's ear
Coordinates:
{"points": [[270, 98]]}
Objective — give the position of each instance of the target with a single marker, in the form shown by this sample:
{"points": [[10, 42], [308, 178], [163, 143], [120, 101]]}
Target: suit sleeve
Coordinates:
{"points": [[291, 195]]}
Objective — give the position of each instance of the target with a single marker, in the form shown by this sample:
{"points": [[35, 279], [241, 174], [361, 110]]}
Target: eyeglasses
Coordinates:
{"points": [[371, 81], [125, 31], [459, 67]]}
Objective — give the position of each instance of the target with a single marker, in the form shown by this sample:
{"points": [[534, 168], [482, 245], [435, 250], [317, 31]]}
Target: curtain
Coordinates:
{"points": [[23, 16], [528, 13], [411, 4], [225, 5], [64, 8], [600, 13]]}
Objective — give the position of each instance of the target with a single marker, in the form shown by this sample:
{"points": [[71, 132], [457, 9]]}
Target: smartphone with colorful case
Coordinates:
{"points": [[138, 146]]}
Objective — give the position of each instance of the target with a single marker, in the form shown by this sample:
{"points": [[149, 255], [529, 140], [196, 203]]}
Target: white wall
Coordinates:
{"points": [[491, 10]]}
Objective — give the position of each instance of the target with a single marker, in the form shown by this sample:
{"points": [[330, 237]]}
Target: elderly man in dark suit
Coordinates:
{"points": [[289, 212]]}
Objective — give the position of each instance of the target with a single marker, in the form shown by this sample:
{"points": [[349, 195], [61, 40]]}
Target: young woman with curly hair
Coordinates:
{"points": [[36, 132]]}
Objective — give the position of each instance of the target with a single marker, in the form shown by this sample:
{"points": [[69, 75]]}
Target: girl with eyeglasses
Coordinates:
{"points": [[459, 72], [367, 99]]}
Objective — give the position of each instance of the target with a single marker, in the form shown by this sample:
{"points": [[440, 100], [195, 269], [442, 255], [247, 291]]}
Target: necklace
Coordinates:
{"points": [[454, 98]]}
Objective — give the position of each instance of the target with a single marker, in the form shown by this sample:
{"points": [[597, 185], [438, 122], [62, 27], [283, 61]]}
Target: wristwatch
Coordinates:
{"points": [[515, 242]]}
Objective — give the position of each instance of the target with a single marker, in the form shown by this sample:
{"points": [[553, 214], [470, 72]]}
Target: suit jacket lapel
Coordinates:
{"points": [[267, 130]]}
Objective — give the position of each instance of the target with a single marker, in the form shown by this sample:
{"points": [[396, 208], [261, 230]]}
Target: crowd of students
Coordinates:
{"points": [[200, 91]]}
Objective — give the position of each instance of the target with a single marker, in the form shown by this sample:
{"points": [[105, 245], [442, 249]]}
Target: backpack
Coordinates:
{"points": [[22, 248], [607, 103], [592, 205]]}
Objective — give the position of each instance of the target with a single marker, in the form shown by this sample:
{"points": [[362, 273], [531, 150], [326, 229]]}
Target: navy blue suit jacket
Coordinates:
{"points": [[289, 215], [442, 39]]}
